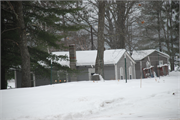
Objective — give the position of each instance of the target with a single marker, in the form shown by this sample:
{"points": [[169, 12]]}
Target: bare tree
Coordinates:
{"points": [[116, 14], [160, 29], [99, 66]]}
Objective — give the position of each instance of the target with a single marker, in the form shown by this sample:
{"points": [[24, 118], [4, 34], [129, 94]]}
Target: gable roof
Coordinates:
{"points": [[89, 57], [140, 54]]}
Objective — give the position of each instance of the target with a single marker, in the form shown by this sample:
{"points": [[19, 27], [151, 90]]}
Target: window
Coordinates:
{"points": [[130, 76], [33, 82], [121, 73], [130, 72], [160, 62]]}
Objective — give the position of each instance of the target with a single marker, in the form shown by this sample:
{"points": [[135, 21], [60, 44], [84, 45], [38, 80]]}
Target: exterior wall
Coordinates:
{"points": [[18, 79], [121, 63], [43, 80], [109, 72], [138, 72], [154, 60], [83, 75]]}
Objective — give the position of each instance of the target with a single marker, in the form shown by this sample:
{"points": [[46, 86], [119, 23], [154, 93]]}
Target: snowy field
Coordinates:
{"points": [[109, 100]]}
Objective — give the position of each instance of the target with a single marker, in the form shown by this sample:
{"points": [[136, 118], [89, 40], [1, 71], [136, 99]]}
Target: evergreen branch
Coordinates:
{"points": [[12, 41], [9, 30], [12, 8]]}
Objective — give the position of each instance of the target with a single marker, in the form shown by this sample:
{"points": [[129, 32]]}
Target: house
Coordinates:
{"points": [[114, 63], [150, 63]]}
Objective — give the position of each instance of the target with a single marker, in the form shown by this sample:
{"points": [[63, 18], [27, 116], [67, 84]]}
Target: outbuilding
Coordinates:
{"points": [[150, 63], [115, 61]]}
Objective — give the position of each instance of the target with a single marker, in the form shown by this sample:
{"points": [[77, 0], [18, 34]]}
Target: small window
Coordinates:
{"points": [[160, 62], [92, 73], [121, 73], [130, 72], [130, 76]]}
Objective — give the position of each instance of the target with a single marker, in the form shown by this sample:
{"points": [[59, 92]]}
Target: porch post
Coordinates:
{"points": [[140, 69], [116, 76], [15, 76], [51, 72]]}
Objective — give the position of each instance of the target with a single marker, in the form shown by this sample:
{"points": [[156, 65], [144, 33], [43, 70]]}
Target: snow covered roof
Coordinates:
{"points": [[140, 54], [89, 57]]}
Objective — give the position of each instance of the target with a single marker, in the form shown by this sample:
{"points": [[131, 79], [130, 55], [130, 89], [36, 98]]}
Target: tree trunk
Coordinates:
{"points": [[112, 38], [172, 43], [92, 44], [3, 53], [25, 66], [3, 78], [121, 25], [99, 67], [159, 32]]}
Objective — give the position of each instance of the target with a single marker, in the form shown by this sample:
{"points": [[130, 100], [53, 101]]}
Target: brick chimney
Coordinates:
{"points": [[72, 56]]}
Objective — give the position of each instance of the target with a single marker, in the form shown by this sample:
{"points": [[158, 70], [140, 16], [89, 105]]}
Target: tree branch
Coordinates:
{"points": [[9, 30], [9, 3], [12, 41]]}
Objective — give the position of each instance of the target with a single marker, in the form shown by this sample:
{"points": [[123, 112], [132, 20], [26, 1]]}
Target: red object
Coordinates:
{"points": [[160, 71], [166, 69], [148, 72]]}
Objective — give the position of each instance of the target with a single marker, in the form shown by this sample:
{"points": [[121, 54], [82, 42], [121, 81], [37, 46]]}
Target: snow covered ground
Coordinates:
{"points": [[158, 99], [11, 84]]}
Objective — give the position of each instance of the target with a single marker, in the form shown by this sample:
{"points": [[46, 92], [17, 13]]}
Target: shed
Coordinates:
{"points": [[150, 63]]}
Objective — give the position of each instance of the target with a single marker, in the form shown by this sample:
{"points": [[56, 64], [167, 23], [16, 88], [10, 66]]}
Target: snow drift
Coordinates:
{"points": [[88, 100]]}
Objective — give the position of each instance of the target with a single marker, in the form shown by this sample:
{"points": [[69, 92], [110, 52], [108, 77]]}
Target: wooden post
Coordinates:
{"points": [[140, 69]]}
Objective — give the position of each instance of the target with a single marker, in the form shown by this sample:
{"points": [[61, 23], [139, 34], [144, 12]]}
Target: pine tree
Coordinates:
{"points": [[25, 57], [150, 25], [46, 27], [10, 54], [159, 30], [172, 41], [43, 28]]}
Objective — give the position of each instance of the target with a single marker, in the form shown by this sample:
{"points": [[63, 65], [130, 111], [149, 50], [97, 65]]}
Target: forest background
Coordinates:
{"points": [[31, 30]]}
